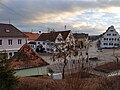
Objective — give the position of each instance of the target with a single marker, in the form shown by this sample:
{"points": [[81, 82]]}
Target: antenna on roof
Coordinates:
{"points": [[9, 21], [31, 30], [65, 27], [48, 30]]}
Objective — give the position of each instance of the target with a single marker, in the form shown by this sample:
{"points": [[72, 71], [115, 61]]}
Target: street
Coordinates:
{"points": [[104, 56]]}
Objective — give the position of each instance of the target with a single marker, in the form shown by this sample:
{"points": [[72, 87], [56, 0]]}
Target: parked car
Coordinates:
{"points": [[93, 58]]}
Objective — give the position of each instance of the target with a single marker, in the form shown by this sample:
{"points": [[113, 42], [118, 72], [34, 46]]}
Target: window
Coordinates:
{"points": [[43, 43], [114, 34], [118, 39], [0, 42], [48, 49], [105, 38], [110, 43], [10, 54], [19, 41], [115, 44], [10, 42], [15, 53], [7, 30], [105, 43], [109, 38], [108, 34], [38, 42], [59, 39]]}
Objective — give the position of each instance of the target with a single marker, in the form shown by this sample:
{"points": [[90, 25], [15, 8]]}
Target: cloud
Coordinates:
{"points": [[83, 15]]}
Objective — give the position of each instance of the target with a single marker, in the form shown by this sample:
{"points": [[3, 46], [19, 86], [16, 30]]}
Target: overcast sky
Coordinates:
{"points": [[84, 16]]}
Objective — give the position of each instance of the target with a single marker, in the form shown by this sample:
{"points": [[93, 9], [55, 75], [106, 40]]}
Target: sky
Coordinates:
{"points": [[81, 16]]}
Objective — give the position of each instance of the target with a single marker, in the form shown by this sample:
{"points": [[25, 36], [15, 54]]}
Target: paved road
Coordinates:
{"points": [[104, 56]]}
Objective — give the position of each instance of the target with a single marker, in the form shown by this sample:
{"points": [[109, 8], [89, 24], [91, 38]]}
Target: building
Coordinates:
{"points": [[53, 38], [110, 38], [28, 63], [31, 38], [81, 40], [11, 39], [94, 37]]}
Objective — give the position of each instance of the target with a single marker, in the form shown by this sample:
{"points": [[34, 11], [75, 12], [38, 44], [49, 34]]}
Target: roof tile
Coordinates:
{"points": [[31, 36], [26, 58], [52, 35]]}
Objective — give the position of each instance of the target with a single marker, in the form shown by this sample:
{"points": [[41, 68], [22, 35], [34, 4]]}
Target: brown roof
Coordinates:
{"points": [[31, 36], [52, 35], [65, 33], [26, 58], [80, 35], [8, 30], [48, 36]]}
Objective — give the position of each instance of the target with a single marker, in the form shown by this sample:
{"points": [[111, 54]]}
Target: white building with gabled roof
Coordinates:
{"points": [[55, 38], [11, 39], [110, 38]]}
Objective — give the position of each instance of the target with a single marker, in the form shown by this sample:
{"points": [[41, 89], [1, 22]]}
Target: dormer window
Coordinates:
{"points": [[7, 30]]}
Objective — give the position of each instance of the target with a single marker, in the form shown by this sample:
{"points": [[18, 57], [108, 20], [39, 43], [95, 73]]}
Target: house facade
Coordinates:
{"points": [[56, 38], [110, 38], [81, 40], [11, 39], [31, 39]]}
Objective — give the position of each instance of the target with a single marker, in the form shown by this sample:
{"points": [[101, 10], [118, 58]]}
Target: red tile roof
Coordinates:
{"points": [[8, 30], [31, 36], [26, 58], [53, 35]]}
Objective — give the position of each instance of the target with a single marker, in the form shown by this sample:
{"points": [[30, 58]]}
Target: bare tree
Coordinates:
{"points": [[64, 51]]}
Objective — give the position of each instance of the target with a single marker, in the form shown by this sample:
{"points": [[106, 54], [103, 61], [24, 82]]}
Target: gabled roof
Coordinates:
{"points": [[65, 33], [8, 30], [31, 36], [80, 35], [48, 36], [27, 58], [53, 35], [109, 28]]}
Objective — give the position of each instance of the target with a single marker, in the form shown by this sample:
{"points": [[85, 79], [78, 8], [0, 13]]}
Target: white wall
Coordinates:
{"points": [[5, 47], [71, 40], [14, 45], [109, 37], [44, 44], [59, 37]]}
